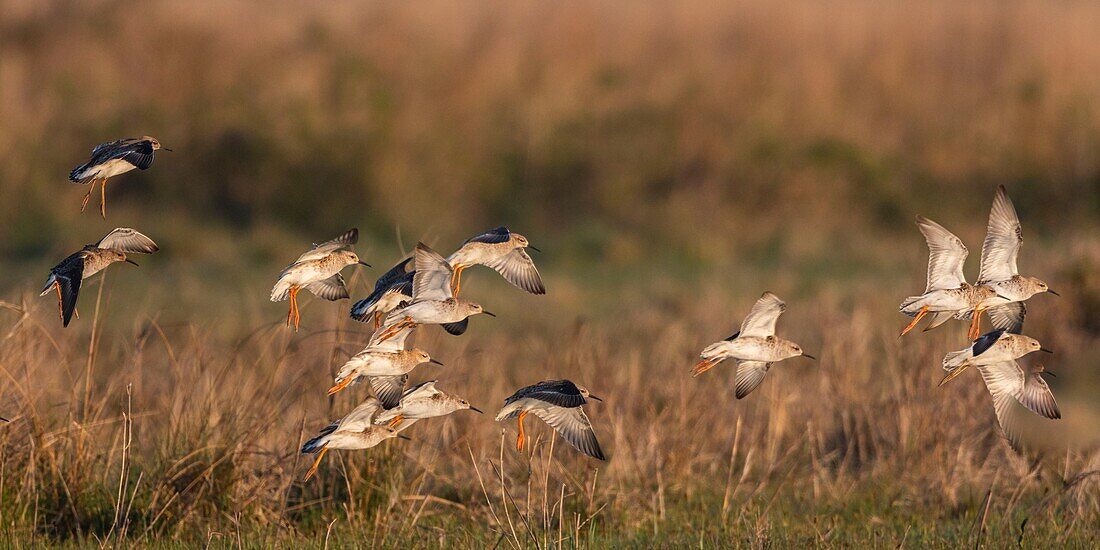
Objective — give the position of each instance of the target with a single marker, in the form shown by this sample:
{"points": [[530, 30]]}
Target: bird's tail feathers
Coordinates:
{"points": [[315, 444], [49, 284], [956, 359], [80, 175], [910, 307]]}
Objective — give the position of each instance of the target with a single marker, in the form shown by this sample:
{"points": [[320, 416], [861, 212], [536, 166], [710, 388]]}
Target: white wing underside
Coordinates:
{"points": [[761, 320], [1003, 238], [946, 256], [433, 276]]}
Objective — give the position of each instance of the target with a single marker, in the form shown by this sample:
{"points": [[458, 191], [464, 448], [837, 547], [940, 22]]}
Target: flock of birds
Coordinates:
{"points": [[423, 289]]}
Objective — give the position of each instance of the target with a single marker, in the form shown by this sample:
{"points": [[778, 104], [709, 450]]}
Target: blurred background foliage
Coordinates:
{"points": [[688, 137]]}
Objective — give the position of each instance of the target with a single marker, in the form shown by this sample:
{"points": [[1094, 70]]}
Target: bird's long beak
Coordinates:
{"points": [[808, 356], [405, 437], [590, 396], [163, 148], [1052, 292], [1044, 372], [489, 313], [1005, 298], [436, 362], [533, 248], [361, 262], [1045, 350], [477, 410], [4, 419], [129, 261]]}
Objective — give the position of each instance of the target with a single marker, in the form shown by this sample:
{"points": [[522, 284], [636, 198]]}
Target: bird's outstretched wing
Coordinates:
{"points": [[389, 389], [136, 151], [433, 275], [1003, 238], [749, 376], [345, 240], [361, 417], [517, 268], [332, 288], [562, 393], [68, 276], [574, 427], [129, 241], [493, 236], [946, 256], [1008, 385], [761, 320], [1009, 317]]}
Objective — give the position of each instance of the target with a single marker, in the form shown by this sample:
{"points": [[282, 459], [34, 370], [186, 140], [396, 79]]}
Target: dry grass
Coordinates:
{"points": [[187, 433], [673, 161]]}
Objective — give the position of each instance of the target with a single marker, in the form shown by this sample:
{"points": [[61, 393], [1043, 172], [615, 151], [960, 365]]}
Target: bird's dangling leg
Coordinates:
{"points": [[297, 312], [456, 280], [703, 366], [316, 463], [975, 323], [290, 308], [920, 315], [103, 198], [393, 330], [341, 385], [396, 421], [377, 319], [87, 196], [60, 303], [522, 437]]}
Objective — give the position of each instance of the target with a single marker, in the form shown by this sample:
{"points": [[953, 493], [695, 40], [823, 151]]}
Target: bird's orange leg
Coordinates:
{"points": [[377, 320], [103, 198], [60, 303], [976, 323], [522, 437], [341, 385], [316, 463], [290, 309], [297, 313], [396, 421], [393, 330], [456, 279], [920, 315], [704, 366], [87, 196]]}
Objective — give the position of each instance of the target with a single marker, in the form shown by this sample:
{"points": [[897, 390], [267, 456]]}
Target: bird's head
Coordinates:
{"points": [[465, 405], [522, 242], [423, 357], [117, 256], [350, 258], [1037, 285], [587, 394], [154, 142]]}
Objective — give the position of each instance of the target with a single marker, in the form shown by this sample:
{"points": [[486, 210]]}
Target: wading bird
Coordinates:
{"points": [[391, 290], [112, 159], [433, 300], [420, 402], [317, 271], [558, 403], [502, 250], [996, 346], [1003, 238], [755, 346], [355, 431], [66, 276], [947, 295], [386, 363]]}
